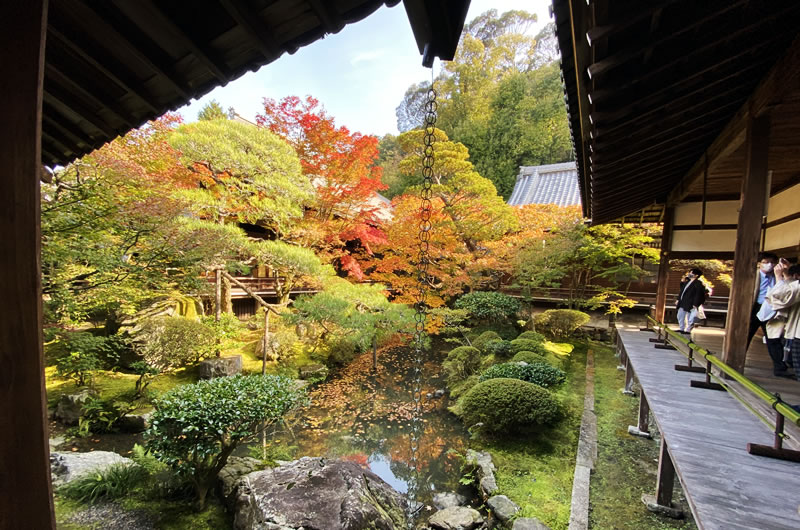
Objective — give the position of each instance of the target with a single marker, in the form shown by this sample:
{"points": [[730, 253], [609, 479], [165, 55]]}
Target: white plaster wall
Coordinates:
{"points": [[783, 235], [784, 204], [717, 213], [703, 240]]}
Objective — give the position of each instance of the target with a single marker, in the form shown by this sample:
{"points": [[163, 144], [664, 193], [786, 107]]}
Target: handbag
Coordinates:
{"points": [[699, 315]]}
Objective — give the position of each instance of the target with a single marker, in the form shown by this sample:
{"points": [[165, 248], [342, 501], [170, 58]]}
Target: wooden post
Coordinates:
{"points": [[26, 499], [628, 390], [748, 234], [217, 294], [666, 476], [643, 426], [663, 264]]}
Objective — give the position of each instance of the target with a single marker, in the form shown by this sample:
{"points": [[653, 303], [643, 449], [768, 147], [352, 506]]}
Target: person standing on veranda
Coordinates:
{"points": [[784, 298], [766, 279], [692, 296]]}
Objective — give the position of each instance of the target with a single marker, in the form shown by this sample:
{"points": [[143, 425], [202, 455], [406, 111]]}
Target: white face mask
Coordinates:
{"points": [[766, 267]]}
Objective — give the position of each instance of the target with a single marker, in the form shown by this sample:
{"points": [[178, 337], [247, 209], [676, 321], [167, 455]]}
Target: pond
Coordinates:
{"points": [[364, 415]]}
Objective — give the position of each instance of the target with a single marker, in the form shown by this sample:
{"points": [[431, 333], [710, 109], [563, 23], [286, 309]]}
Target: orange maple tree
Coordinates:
{"points": [[345, 217]]}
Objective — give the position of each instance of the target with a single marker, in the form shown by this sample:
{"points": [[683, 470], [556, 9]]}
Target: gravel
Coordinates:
{"points": [[112, 515]]}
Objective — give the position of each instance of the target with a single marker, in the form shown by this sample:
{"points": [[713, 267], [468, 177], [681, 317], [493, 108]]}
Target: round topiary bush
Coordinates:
{"points": [[485, 337], [488, 306], [508, 406], [501, 349], [560, 323], [461, 363], [538, 372], [518, 345], [531, 335], [538, 357]]}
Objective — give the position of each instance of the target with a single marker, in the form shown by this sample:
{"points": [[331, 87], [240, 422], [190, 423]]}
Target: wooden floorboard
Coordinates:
{"points": [[707, 433]]}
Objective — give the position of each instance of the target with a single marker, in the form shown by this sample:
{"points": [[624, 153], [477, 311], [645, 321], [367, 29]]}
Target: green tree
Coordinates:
{"points": [[293, 265], [196, 427], [244, 173], [212, 111]]}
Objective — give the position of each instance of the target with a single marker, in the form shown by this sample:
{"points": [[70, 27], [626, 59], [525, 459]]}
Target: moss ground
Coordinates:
{"points": [[536, 472], [626, 466]]}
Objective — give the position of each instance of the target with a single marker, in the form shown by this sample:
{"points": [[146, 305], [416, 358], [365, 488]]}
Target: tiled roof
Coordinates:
{"points": [[550, 184]]}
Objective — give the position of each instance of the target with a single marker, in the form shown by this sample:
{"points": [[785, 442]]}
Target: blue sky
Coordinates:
{"points": [[360, 74]]}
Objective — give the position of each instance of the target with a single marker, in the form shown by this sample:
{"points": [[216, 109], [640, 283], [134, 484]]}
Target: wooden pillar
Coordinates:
{"points": [[663, 264], [644, 414], [748, 234], [666, 476], [25, 490]]}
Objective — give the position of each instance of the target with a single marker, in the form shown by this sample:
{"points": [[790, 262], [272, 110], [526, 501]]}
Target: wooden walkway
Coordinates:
{"points": [[706, 433]]}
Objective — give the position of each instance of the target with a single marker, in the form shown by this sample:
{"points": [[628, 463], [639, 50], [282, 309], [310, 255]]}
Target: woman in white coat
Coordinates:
{"points": [[784, 298]]}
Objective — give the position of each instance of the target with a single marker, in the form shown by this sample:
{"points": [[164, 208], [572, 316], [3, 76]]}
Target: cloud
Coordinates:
{"points": [[367, 56]]}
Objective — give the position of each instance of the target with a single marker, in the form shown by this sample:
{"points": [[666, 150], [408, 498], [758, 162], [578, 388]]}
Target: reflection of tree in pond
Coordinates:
{"points": [[366, 417]]}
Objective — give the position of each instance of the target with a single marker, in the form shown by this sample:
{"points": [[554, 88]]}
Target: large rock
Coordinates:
{"points": [[317, 494], [70, 407], [66, 467], [229, 476], [221, 367], [317, 372], [456, 518], [502, 507], [484, 467], [448, 500], [133, 423], [529, 523]]}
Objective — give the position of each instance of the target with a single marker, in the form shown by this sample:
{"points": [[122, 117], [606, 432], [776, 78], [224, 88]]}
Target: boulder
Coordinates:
{"points": [[221, 367], [529, 523], [66, 467], [484, 467], [502, 507], [438, 393], [229, 476], [317, 494], [70, 407], [133, 423], [318, 372], [456, 518], [448, 500]]}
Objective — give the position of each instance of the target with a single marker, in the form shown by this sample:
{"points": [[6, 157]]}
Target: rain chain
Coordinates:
{"points": [[421, 295]]}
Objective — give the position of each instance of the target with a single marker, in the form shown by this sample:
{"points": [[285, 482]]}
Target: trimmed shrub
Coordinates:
{"points": [[196, 427], [539, 373], [539, 356], [462, 387], [560, 323], [501, 349], [483, 338], [488, 305], [461, 363], [531, 335], [518, 345], [172, 342], [508, 406]]}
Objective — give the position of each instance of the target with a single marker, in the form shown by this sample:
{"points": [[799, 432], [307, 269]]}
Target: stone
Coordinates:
{"points": [[133, 423], [319, 493], [482, 461], [317, 372], [652, 505], [456, 518], [56, 441], [66, 467], [502, 507], [235, 468], [70, 407], [438, 393], [220, 367], [529, 523], [448, 500]]}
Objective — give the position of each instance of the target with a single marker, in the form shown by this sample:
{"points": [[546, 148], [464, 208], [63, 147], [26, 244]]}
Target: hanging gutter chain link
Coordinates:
{"points": [[420, 303]]}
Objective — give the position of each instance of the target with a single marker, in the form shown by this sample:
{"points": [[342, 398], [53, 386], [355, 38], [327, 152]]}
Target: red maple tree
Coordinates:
{"points": [[346, 213]]}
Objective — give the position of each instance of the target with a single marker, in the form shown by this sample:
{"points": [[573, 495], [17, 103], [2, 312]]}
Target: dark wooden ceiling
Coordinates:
{"points": [[650, 85], [112, 65]]}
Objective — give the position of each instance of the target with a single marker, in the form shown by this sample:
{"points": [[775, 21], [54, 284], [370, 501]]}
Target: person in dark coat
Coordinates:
{"points": [[692, 296]]}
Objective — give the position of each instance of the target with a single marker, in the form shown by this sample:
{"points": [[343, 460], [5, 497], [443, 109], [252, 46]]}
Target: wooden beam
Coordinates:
{"points": [[780, 82], [748, 237], [73, 84], [330, 19], [663, 264], [665, 480], [253, 25], [26, 493], [54, 93], [199, 50]]}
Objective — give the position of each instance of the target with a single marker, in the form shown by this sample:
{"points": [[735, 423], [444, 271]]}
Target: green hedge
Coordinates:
{"points": [[508, 406], [531, 335], [461, 363], [560, 323], [518, 345], [485, 337], [488, 305], [539, 356], [538, 372]]}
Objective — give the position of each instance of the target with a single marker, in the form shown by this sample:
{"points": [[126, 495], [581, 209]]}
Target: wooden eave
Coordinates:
{"points": [[651, 85]]}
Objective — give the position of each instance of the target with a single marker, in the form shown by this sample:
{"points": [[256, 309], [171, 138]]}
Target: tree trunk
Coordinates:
{"points": [[218, 301], [227, 302], [201, 494]]}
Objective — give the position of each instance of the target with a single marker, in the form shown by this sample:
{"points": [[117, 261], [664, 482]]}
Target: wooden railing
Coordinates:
{"points": [[668, 338]]}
